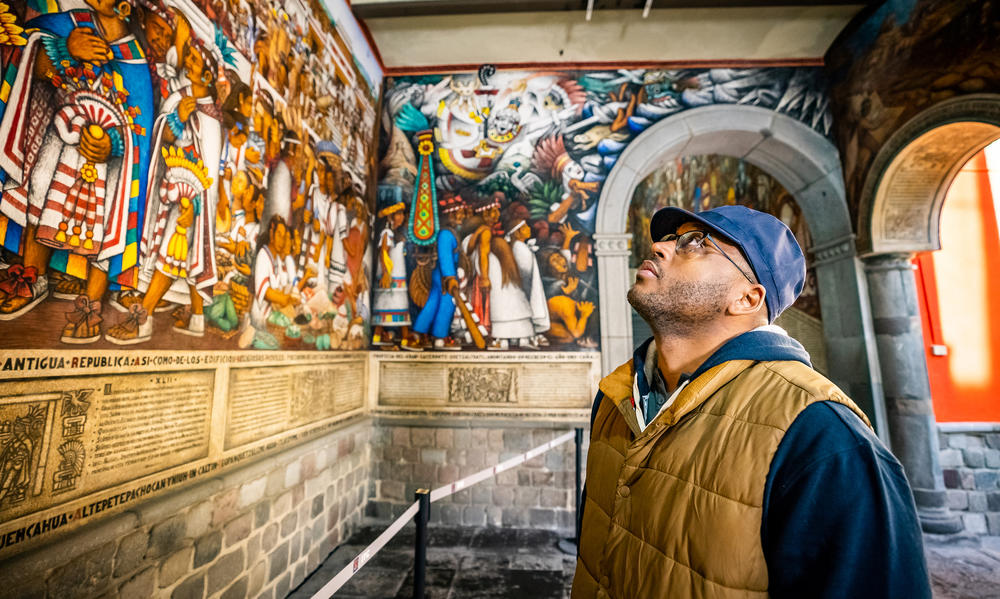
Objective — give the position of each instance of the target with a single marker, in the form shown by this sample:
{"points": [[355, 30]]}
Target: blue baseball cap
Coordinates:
{"points": [[766, 243]]}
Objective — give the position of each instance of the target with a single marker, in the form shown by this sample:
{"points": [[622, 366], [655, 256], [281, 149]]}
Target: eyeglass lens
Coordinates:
{"points": [[686, 242]]}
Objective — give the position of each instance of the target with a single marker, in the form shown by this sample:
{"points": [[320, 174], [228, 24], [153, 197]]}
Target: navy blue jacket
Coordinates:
{"points": [[838, 514]]}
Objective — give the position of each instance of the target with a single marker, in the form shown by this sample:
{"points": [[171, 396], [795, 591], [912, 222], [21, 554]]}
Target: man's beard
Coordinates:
{"points": [[682, 307]]}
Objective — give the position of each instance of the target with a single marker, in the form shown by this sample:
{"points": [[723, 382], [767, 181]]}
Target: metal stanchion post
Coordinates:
{"points": [[420, 546], [579, 483], [569, 546], [420, 510]]}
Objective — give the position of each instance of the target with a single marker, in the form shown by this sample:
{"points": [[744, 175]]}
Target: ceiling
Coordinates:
{"points": [[425, 35], [372, 9]]}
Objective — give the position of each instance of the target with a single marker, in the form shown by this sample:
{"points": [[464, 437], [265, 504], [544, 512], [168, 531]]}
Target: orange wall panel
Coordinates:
{"points": [[956, 287]]}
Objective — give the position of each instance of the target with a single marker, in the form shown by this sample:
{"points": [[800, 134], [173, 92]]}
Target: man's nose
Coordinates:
{"points": [[664, 249]]}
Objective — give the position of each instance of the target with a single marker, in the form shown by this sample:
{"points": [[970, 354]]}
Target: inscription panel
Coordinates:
{"points": [[87, 433], [557, 385], [412, 383], [514, 383], [265, 401], [64, 438]]}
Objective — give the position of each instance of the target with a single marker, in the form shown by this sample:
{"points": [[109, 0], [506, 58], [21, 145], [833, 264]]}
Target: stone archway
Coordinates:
{"points": [[808, 166], [902, 195], [899, 214]]}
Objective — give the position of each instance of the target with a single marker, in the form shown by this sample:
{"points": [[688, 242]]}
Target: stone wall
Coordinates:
{"points": [[408, 455], [253, 532], [970, 461]]}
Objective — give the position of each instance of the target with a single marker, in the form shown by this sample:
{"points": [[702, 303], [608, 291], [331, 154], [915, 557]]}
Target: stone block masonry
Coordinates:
{"points": [[408, 455], [252, 532], [970, 463]]}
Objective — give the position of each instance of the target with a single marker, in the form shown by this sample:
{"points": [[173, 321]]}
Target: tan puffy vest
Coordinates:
{"points": [[675, 510]]}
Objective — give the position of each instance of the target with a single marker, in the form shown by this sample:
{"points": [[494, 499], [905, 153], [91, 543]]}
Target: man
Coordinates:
{"points": [[720, 463]]}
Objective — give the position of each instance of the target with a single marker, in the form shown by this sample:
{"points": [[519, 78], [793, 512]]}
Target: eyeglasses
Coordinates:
{"points": [[693, 242]]}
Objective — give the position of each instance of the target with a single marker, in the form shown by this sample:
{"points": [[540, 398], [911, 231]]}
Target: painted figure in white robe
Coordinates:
{"points": [[268, 274], [511, 317], [531, 278], [392, 303], [177, 261]]}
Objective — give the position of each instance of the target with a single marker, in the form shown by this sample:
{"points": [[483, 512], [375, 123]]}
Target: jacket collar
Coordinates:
{"points": [[735, 356], [617, 387]]}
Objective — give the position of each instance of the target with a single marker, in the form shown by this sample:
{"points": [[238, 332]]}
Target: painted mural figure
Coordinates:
{"points": [[570, 292], [391, 303], [551, 157], [478, 245], [519, 234], [356, 248], [75, 158], [166, 30], [519, 314], [503, 305], [236, 112], [271, 289], [178, 241], [438, 310]]}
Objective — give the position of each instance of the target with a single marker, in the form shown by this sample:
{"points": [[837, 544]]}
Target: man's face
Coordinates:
{"points": [[194, 63], [558, 263], [237, 137], [280, 239], [158, 34], [678, 292], [246, 105], [491, 215]]}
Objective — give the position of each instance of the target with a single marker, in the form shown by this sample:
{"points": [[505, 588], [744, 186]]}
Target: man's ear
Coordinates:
{"points": [[750, 301]]}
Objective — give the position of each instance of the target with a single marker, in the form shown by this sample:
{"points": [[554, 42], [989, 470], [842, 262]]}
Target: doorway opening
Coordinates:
{"points": [[956, 287]]}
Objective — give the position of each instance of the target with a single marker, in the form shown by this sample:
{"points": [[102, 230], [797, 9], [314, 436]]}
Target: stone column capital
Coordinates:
{"points": [[834, 250], [612, 244], [889, 261]]}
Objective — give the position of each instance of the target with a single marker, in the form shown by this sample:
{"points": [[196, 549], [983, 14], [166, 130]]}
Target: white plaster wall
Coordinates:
{"points": [[757, 33]]}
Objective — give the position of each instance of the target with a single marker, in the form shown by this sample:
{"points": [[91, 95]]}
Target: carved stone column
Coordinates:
{"points": [[852, 357], [910, 413], [612, 253]]}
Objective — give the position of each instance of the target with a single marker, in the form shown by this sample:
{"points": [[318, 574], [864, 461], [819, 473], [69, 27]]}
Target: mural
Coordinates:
{"points": [[488, 193], [183, 173], [905, 57], [699, 183]]}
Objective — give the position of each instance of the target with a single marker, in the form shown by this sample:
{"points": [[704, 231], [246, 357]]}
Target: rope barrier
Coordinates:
{"points": [[468, 481], [441, 492], [369, 552]]}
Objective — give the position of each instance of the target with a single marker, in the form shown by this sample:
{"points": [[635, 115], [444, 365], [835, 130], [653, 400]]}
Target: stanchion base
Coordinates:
{"points": [[567, 546]]}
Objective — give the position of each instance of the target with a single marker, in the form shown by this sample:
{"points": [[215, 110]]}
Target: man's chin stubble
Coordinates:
{"points": [[678, 313]]}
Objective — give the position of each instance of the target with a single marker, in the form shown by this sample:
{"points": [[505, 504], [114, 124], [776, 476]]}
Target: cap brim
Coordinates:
{"points": [[666, 220]]}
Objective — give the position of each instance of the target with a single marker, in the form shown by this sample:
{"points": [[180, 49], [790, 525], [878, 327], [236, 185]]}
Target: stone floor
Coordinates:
{"points": [[461, 563], [493, 563], [964, 568]]}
